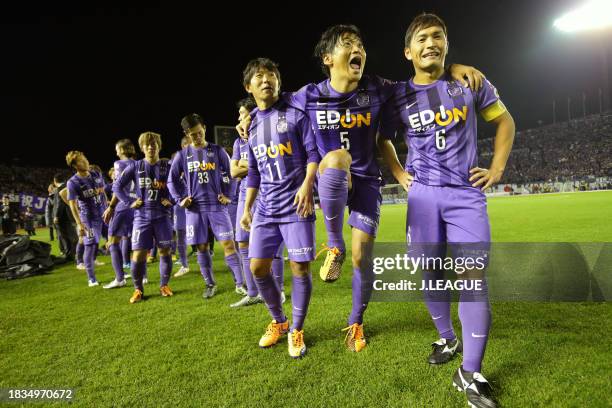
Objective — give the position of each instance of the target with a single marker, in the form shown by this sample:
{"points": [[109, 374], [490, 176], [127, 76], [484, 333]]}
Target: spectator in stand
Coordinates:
{"points": [[10, 216]]}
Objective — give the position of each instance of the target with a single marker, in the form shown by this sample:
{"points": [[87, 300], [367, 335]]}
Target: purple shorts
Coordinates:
{"points": [[180, 219], [198, 223], [267, 238], [145, 231], [94, 232], [121, 224], [456, 214], [364, 202]]}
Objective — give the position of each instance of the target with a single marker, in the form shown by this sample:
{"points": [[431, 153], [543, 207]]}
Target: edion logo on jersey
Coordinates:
{"points": [[427, 119], [196, 165], [147, 182], [331, 119], [273, 150]]}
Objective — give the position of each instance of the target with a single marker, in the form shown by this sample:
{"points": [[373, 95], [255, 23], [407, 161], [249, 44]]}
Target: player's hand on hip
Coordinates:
{"points": [[223, 199], [245, 221], [405, 179], [470, 77], [108, 214], [136, 204], [166, 203], [82, 230], [484, 177], [186, 202], [303, 200]]}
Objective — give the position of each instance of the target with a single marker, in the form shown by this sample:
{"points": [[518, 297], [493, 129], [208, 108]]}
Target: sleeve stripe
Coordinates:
{"points": [[493, 111]]}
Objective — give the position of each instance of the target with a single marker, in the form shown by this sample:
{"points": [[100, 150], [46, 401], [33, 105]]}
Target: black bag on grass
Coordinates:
{"points": [[21, 257]]}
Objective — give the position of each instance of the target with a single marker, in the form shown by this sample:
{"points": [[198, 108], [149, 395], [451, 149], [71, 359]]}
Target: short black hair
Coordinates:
{"points": [[255, 65], [421, 22], [330, 38], [248, 103], [59, 177], [191, 120]]}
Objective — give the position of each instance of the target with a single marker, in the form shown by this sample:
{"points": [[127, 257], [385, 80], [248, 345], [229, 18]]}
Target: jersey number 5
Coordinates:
{"points": [[344, 141]]}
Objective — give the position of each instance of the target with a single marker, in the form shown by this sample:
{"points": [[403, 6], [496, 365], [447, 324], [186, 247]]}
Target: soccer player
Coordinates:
{"points": [[180, 225], [345, 112], [196, 182], [239, 170], [87, 202], [283, 160], [119, 216], [152, 212], [446, 203]]}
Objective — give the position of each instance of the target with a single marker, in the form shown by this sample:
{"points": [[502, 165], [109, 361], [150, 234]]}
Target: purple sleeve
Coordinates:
{"points": [[123, 181], [224, 167], [390, 119], [486, 96], [297, 99], [72, 190], [176, 184], [236, 150], [308, 139], [253, 177]]}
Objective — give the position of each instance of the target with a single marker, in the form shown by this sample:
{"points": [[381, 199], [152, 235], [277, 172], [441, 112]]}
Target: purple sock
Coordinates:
{"points": [[126, 246], [248, 276], [333, 193], [439, 305], [233, 262], [88, 259], [301, 288], [278, 272], [360, 296], [475, 316], [271, 295], [165, 269], [138, 271], [80, 250], [181, 246], [117, 261], [205, 262]]}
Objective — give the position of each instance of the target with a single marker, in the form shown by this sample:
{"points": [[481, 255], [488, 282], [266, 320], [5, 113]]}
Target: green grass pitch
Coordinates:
{"points": [[184, 351]]}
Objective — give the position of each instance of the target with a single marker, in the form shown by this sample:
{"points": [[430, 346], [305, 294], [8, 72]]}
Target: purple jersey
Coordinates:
{"points": [[89, 193], [130, 190], [151, 182], [206, 175], [241, 152], [438, 122], [281, 144], [346, 121]]}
